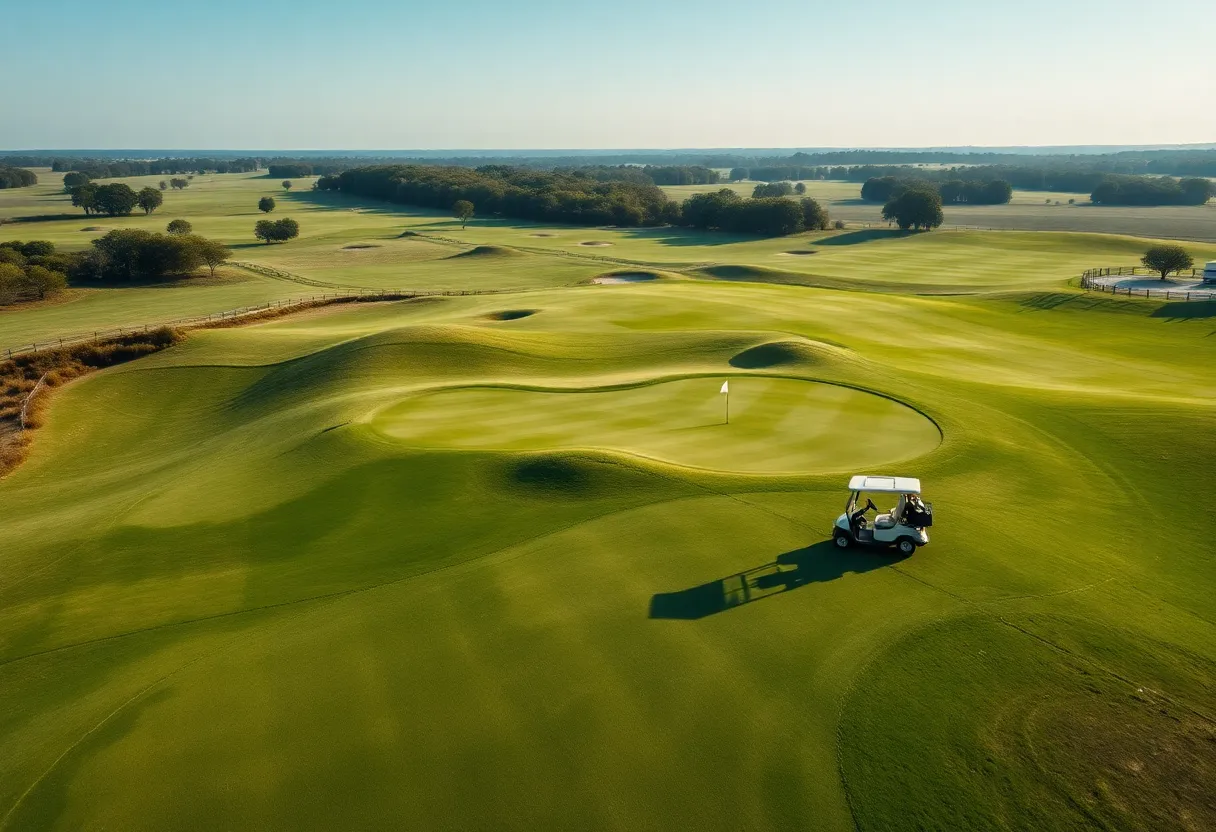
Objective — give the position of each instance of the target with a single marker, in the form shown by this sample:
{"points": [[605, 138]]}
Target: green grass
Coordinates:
{"points": [[776, 425], [492, 562]]}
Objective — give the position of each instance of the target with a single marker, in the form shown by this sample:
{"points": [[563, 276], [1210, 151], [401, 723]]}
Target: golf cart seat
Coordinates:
{"points": [[891, 518], [885, 521]]}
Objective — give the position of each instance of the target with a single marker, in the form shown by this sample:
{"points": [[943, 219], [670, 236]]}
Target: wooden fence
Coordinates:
{"points": [[25, 404], [1092, 280], [245, 311]]}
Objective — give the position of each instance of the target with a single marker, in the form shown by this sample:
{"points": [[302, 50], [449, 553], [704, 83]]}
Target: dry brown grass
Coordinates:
{"points": [[19, 376]]}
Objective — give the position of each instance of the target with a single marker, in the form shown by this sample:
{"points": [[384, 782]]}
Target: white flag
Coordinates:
{"points": [[725, 387]]}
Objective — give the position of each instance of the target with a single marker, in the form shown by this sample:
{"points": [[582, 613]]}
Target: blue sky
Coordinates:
{"points": [[547, 74]]}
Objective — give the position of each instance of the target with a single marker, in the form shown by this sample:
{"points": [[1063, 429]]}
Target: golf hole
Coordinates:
{"points": [[776, 425]]}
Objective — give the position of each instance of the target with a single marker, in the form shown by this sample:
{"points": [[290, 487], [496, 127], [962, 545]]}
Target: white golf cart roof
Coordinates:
{"points": [[894, 485]]}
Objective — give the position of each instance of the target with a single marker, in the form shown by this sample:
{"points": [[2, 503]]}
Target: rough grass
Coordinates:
{"points": [[20, 375]]}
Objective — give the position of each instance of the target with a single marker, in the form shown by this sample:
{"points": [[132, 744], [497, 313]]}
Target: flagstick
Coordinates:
{"points": [[728, 405]]}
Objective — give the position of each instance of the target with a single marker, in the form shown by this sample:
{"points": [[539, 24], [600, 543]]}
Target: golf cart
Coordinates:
{"points": [[903, 526]]}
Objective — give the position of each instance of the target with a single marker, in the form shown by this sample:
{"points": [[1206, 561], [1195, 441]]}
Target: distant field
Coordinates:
{"points": [[1028, 211], [347, 242]]}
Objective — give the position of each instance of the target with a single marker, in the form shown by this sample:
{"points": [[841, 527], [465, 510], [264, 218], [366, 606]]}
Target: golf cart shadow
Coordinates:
{"points": [[817, 563]]}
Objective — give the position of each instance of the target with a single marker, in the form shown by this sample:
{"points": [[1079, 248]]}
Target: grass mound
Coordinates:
{"points": [[755, 274], [777, 354], [567, 476], [487, 252], [510, 314], [865, 235]]}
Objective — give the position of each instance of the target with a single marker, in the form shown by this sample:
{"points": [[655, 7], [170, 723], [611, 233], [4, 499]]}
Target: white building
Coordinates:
{"points": [[1209, 272]]}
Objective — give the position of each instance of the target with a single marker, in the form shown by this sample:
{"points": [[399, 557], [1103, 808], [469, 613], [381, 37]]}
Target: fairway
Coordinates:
{"points": [[777, 425], [496, 559]]}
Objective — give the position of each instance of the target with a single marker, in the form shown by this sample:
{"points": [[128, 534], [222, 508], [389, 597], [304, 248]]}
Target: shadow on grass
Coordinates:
{"points": [[817, 563], [1186, 310], [61, 218], [671, 235], [865, 235]]}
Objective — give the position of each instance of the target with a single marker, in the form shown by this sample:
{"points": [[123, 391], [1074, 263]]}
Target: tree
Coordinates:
{"points": [[772, 189], [85, 196], [1197, 191], [919, 209], [1166, 259], [179, 227], [287, 184], [264, 230], [178, 183], [462, 209], [287, 229], [132, 253], [11, 277], [276, 231], [74, 179], [116, 199], [211, 252], [40, 282], [800, 188], [164, 186], [814, 216], [266, 204], [149, 199]]}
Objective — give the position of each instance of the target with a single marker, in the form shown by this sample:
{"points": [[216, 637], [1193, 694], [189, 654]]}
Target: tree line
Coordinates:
{"points": [[116, 199], [973, 192], [16, 177], [96, 169], [773, 216], [542, 196], [1105, 188], [1152, 190], [35, 270]]}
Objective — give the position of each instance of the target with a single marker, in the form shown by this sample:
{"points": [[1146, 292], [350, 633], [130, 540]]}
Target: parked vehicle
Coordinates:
{"points": [[902, 527]]}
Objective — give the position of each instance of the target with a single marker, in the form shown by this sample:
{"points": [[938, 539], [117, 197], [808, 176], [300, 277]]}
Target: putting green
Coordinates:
{"points": [[776, 425]]}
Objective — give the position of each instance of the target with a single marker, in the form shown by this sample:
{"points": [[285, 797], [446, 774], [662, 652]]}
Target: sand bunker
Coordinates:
{"points": [[542, 235], [796, 253], [357, 246], [94, 228], [625, 277], [595, 244]]}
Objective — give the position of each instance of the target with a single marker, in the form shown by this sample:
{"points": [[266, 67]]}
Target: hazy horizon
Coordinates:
{"points": [[541, 74]]}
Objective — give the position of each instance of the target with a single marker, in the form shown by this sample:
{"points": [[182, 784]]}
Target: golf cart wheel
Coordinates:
{"points": [[842, 540], [906, 546]]}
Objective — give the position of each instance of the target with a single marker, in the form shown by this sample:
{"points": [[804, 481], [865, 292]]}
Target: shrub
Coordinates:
{"points": [[276, 231]]}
